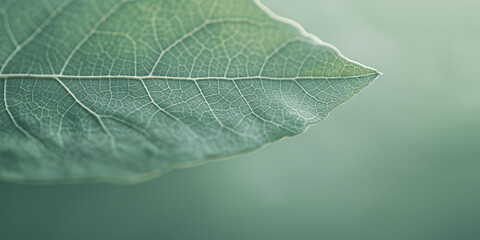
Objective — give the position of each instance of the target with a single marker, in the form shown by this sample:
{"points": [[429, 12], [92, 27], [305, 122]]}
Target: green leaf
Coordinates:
{"points": [[122, 91]]}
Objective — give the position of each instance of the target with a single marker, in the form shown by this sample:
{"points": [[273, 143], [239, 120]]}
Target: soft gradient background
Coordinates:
{"points": [[399, 161]]}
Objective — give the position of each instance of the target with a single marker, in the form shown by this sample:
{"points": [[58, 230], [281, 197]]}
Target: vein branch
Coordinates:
{"points": [[97, 116], [55, 13], [14, 121], [92, 31]]}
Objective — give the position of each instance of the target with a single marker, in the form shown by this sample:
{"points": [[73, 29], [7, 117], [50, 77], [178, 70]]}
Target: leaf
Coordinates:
{"points": [[123, 91]]}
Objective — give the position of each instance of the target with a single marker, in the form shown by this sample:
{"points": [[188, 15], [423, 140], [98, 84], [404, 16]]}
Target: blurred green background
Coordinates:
{"points": [[399, 161]]}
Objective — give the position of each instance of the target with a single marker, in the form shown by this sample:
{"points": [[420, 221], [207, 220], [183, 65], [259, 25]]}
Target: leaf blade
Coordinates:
{"points": [[179, 84]]}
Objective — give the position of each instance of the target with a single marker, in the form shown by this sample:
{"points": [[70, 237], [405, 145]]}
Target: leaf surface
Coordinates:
{"points": [[125, 90]]}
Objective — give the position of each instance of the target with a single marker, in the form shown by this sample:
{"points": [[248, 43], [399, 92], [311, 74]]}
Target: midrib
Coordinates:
{"points": [[178, 78]]}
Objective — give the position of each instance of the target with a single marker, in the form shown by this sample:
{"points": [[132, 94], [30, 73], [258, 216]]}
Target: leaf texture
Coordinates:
{"points": [[121, 91]]}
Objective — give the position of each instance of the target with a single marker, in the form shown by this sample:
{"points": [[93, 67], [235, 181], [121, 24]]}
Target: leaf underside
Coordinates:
{"points": [[122, 91]]}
